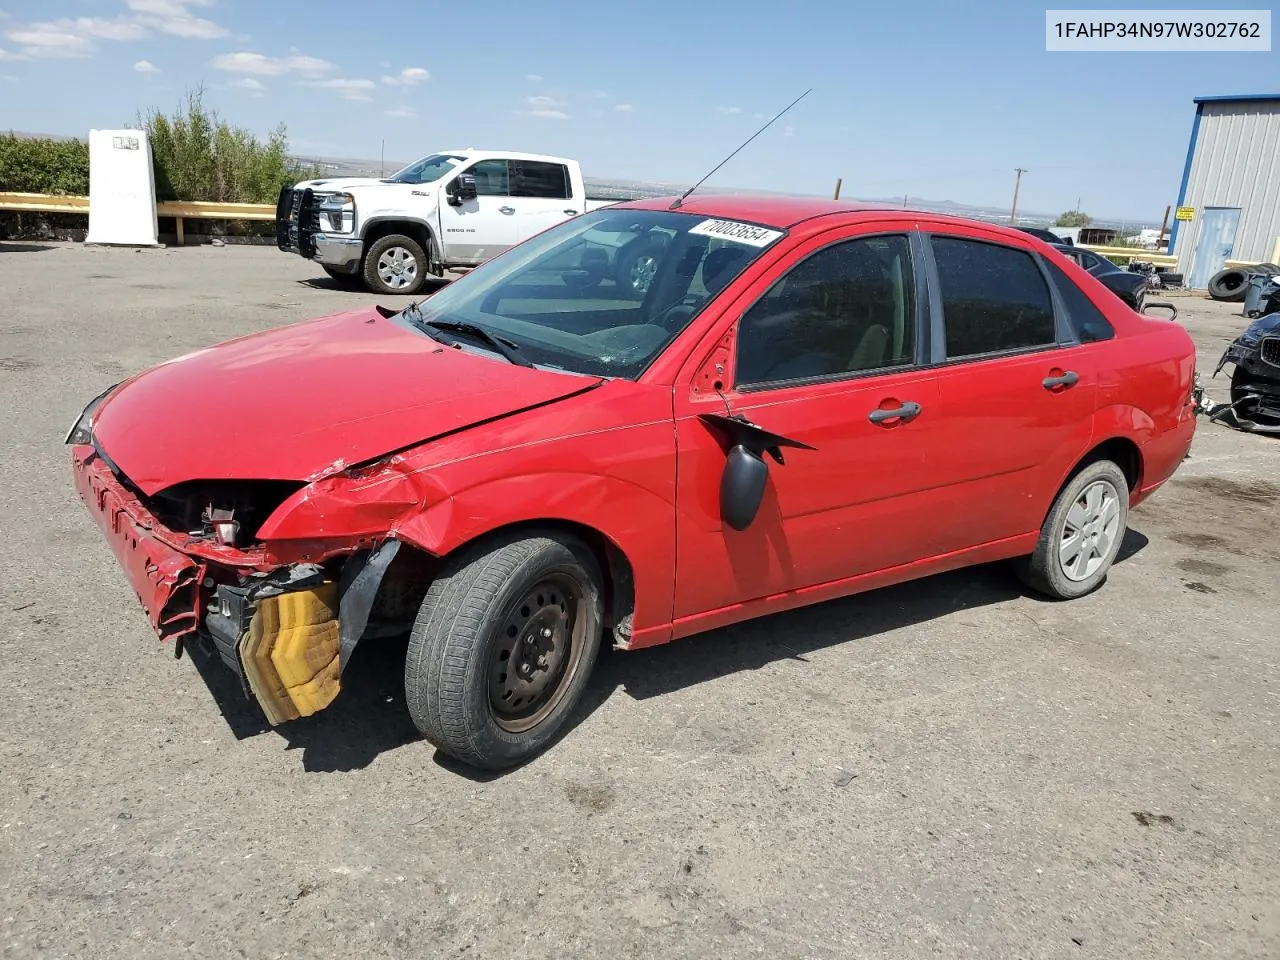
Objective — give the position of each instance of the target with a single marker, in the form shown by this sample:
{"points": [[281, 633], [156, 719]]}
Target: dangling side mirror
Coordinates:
{"points": [[742, 486]]}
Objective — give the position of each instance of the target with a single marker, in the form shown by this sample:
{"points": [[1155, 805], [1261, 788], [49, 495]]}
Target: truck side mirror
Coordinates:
{"points": [[462, 188], [742, 486]]}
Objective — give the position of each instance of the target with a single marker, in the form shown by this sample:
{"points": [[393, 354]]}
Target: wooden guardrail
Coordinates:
{"points": [[179, 210]]}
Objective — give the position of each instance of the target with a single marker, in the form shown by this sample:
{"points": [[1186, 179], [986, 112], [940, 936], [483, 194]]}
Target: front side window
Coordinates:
{"points": [[427, 169], [492, 178], [532, 178], [605, 292], [847, 309], [994, 298]]}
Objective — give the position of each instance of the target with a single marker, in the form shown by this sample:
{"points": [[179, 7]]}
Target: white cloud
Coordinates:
{"points": [[146, 66], [728, 110], [401, 112], [623, 107], [788, 131], [8, 77], [533, 77], [174, 17], [247, 83], [598, 95], [546, 108], [245, 62], [408, 77], [70, 37], [6, 55], [357, 89]]}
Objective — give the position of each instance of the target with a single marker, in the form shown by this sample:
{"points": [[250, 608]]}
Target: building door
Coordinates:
{"points": [[1217, 238]]}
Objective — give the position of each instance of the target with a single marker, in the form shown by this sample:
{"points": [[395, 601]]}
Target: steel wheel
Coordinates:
{"points": [[538, 652], [397, 267], [641, 272], [1090, 532]]}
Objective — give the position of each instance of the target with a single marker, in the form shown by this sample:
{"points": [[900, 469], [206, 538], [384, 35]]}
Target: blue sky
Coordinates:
{"points": [[932, 98]]}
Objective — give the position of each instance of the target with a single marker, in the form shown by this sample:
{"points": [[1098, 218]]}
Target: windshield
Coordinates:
{"points": [[427, 169], [603, 293]]}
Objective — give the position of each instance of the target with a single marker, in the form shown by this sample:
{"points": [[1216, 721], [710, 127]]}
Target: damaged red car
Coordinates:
{"points": [[781, 402]]}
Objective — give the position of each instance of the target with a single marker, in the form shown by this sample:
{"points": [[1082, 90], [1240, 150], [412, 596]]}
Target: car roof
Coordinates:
{"points": [[786, 212], [472, 153]]}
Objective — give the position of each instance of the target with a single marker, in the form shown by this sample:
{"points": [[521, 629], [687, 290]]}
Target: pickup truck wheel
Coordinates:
{"points": [[395, 264], [502, 648], [1082, 534], [637, 267]]}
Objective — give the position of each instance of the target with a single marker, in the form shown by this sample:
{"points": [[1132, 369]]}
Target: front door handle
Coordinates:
{"points": [[572, 213], [908, 411], [506, 209], [1063, 380]]}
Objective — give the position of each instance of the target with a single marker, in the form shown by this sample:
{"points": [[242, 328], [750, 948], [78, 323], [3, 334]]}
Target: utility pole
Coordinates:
{"points": [[1013, 212], [382, 160]]}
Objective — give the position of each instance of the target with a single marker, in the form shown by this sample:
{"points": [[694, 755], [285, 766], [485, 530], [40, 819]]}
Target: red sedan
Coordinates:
{"points": [[783, 401]]}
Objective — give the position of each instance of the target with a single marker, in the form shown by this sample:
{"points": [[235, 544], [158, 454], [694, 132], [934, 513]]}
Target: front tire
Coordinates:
{"points": [[502, 648], [395, 264], [1082, 534]]}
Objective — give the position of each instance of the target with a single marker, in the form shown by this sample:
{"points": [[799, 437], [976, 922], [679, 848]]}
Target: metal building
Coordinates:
{"points": [[1231, 185]]}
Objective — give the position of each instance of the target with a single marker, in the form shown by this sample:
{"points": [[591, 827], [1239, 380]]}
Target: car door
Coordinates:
{"points": [[474, 230], [543, 196], [1017, 387], [827, 351]]}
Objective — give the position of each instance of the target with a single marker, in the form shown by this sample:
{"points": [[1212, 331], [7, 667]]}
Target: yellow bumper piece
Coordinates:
{"points": [[290, 653]]}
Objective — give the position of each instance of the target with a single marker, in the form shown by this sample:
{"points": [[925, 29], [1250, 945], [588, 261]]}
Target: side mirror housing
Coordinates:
{"points": [[462, 188], [742, 486]]}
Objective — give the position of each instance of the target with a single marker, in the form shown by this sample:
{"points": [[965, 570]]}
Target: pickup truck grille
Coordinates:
{"points": [[1269, 350], [297, 220]]}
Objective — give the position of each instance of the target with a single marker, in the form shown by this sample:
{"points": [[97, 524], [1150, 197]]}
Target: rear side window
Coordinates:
{"points": [[532, 178], [994, 298], [1088, 322]]}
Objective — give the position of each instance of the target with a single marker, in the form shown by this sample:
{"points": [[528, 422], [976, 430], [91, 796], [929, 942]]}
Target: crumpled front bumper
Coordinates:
{"points": [[283, 642], [166, 581]]}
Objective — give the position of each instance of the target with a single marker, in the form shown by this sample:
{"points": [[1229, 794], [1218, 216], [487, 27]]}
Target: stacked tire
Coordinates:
{"points": [[1232, 284]]}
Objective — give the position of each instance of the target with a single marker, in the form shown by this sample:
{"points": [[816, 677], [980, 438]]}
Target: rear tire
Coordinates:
{"points": [[395, 264], [503, 647], [1081, 535]]}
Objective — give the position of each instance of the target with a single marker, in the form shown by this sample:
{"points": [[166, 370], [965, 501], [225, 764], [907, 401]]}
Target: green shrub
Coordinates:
{"points": [[199, 156], [44, 166]]}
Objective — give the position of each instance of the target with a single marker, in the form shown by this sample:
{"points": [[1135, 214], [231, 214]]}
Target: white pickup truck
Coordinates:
{"points": [[456, 208]]}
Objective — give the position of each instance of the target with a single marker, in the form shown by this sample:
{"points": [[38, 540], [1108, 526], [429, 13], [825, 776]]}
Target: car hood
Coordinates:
{"points": [[344, 184], [1262, 327], [303, 401]]}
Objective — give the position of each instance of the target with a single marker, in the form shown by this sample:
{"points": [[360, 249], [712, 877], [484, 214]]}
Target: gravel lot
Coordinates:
{"points": [[947, 768]]}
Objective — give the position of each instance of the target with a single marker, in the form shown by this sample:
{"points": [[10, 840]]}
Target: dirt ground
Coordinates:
{"points": [[948, 768]]}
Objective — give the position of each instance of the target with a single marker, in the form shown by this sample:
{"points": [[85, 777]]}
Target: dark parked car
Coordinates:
{"points": [[1128, 286], [1255, 378], [1048, 236]]}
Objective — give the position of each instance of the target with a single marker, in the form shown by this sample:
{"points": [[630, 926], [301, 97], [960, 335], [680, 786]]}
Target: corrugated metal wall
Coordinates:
{"points": [[1236, 164]]}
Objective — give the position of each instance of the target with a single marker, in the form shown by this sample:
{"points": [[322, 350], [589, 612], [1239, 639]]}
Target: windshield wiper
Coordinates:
{"points": [[508, 348]]}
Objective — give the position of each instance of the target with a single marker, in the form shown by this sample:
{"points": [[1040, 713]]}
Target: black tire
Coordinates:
{"points": [[636, 283], [373, 270], [465, 665], [1044, 570], [1229, 285], [347, 281]]}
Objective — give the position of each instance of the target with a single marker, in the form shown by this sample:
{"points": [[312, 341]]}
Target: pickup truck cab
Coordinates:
{"points": [[452, 209], [809, 399]]}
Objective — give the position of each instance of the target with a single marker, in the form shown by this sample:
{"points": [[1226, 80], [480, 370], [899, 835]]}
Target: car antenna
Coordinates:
{"points": [[675, 205]]}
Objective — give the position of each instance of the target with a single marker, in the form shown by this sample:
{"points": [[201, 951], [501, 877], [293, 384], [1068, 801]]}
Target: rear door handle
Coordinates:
{"points": [[506, 209], [908, 411], [1067, 379]]}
